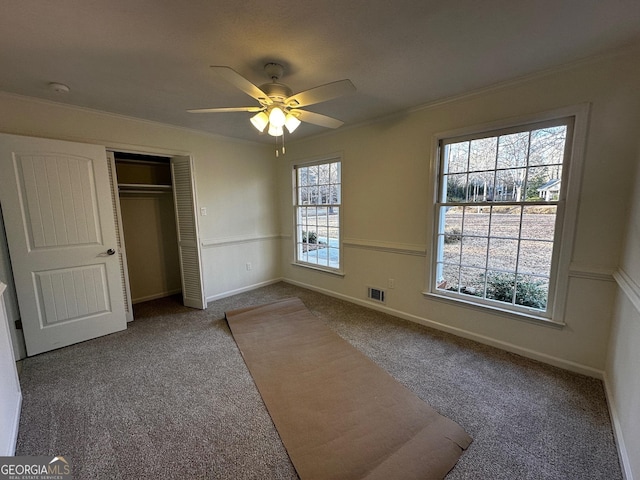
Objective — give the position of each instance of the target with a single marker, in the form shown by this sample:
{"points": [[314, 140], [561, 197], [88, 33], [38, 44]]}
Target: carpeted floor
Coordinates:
{"points": [[171, 397]]}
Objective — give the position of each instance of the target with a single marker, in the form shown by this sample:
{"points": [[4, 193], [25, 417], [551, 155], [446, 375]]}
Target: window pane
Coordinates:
{"points": [[509, 185], [513, 150], [547, 145], [451, 250], [450, 278], [334, 194], [482, 154], [501, 286], [503, 254], [543, 183], [505, 221], [472, 281], [480, 186], [335, 172], [312, 175], [332, 237], [455, 188], [451, 234], [474, 251], [539, 222], [532, 292], [535, 257], [334, 221], [457, 158], [303, 196], [323, 174], [476, 220], [453, 220]]}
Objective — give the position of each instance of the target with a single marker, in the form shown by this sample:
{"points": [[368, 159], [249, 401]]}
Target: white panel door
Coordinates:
{"points": [[58, 214]]}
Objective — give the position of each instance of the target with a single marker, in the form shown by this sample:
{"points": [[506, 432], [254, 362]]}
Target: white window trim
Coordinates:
{"points": [[563, 250], [334, 157]]}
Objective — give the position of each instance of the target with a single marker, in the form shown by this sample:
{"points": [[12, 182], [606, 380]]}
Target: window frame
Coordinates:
{"points": [[324, 160], [566, 215]]}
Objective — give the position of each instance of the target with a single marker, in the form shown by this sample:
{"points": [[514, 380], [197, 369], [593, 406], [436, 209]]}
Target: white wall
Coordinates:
{"points": [[235, 180], [623, 365], [386, 209]]}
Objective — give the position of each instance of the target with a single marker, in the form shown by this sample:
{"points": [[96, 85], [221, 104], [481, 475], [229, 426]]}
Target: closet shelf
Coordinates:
{"points": [[143, 187]]}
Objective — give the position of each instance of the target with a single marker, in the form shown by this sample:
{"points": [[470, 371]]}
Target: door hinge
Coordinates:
{"points": [[18, 324]]}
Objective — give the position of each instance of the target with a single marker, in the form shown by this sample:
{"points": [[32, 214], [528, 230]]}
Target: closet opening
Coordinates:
{"points": [[148, 226]]}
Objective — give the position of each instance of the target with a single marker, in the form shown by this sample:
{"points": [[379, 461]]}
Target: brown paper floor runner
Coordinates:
{"points": [[339, 415]]}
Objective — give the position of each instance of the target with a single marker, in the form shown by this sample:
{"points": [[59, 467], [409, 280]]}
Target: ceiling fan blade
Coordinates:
{"points": [[317, 119], [322, 93], [226, 109], [234, 78]]}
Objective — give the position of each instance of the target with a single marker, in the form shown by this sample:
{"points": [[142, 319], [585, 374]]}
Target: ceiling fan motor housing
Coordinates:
{"points": [[277, 92]]}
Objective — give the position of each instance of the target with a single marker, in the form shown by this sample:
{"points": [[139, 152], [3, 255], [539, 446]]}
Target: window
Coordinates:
{"points": [[317, 211], [499, 210]]}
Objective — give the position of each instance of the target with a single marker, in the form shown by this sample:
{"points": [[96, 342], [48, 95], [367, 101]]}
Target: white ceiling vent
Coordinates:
{"points": [[376, 294]]}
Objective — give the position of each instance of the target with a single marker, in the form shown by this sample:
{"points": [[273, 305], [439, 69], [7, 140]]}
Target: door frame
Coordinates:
{"points": [[111, 150]]}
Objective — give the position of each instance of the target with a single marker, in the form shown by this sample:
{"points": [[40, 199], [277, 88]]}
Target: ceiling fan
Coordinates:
{"points": [[279, 107]]}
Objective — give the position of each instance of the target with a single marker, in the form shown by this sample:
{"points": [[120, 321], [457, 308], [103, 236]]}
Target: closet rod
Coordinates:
{"points": [[143, 188]]}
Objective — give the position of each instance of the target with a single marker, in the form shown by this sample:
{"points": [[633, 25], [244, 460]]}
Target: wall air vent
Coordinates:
{"points": [[375, 294]]}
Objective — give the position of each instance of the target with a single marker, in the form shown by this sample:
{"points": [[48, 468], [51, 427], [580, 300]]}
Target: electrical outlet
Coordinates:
{"points": [[392, 283], [249, 266], [203, 211]]}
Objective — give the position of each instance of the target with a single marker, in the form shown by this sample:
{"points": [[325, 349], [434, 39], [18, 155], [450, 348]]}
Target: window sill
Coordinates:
{"points": [[319, 268], [522, 316]]}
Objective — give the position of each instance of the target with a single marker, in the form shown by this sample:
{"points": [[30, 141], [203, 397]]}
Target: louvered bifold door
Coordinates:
{"points": [[122, 253], [187, 224]]}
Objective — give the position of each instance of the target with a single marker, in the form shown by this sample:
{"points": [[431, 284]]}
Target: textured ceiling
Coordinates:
{"points": [[150, 58]]}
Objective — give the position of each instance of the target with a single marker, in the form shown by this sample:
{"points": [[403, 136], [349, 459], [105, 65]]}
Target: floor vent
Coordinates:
{"points": [[375, 294]]}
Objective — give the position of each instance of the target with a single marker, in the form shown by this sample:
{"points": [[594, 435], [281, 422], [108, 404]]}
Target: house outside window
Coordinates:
{"points": [[317, 198], [501, 219]]}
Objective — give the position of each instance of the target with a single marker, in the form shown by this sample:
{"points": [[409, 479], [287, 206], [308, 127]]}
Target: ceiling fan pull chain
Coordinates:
{"points": [[283, 149]]}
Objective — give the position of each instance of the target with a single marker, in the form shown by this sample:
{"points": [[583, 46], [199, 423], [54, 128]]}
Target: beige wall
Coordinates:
{"points": [[622, 373], [235, 180], [387, 185], [150, 236]]}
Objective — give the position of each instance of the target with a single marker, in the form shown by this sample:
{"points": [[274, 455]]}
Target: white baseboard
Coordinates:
{"points": [[525, 352], [625, 464], [248, 288], [155, 296]]}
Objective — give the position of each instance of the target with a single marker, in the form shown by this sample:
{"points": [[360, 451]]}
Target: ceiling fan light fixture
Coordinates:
{"points": [[277, 117], [274, 130], [260, 120], [291, 122]]}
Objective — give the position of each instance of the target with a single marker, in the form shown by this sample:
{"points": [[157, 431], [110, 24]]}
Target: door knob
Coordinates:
{"points": [[111, 251]]}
